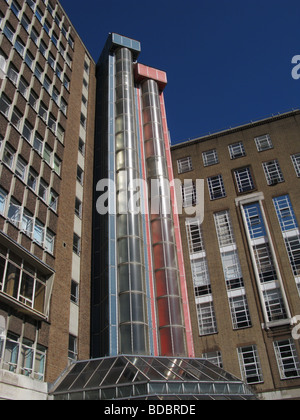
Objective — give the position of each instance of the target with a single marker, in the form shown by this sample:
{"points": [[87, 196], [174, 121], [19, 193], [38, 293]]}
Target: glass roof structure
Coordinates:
{"points": [[148, 378]]}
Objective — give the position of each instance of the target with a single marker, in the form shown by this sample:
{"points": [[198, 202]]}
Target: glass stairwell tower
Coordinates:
{"points": [[139, 294]]}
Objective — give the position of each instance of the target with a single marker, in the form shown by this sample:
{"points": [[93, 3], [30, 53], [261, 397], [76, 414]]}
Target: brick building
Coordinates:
{"points": [[243, 261], [47, 102]]}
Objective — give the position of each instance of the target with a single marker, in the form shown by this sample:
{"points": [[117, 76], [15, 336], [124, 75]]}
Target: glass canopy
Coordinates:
{"points": [[148, 378]]}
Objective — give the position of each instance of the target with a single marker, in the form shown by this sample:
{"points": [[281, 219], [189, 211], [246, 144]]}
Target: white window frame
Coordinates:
{"points": [[286, 355], [264, 143], [184, 165], [250, 365], [273, 172], [237, 150], [296, 162], [244, 180], [216, 187], [210, 158]]}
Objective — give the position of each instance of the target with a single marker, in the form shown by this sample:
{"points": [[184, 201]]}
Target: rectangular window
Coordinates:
{"points": [[16, 118], [3, 196], [32, 179], [21, 167], [237, 150], [57, 166], [53, 200], [80, 175], [189, 194], [39, 233], [73, 352], [8, 156], [210, 158], [287, 359], [239, 312], [74, 292], [9, 31], [296, 162], [244, 180], [43, 190], [27, 131], [207, 318], [20, 47], [49, 241], [263, 143], [78, 207], [273, 172], [184, 165], [194, 236], [216, 187], [250, 365], [76, 244], [5, 105]]}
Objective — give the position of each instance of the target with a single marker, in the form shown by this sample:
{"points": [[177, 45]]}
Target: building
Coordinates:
{"points": [[141, 334], [97, 295], [47, 103], [243, 261]]}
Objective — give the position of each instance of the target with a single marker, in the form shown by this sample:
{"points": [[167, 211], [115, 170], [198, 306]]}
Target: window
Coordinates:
{"points": [[2, 65], [81, 147], [216, 187], [214, 357], [43, 190], [76, 244], [273, 172], [8, 156], [74, 292], [20, 47], [287, 359], [49, 242], [206, 318], [239, 312], [9, 31], [43, 111], [27, 131], [15, 7], [39, 233], [16, 118], [73, 353], [80, 175], [60, 133], [47, 155], [263, 143], [34, 36], [38, 71], [296, 162], [237, 150], [184, 165], [32, 179], [23, 87], [3, 196], [194, 235], [5, 104], [52, 123], [12, 74], [250, 365], [27, 223], [244, 180], [57, 166], [29, 59], [33, 98], [53, 200], [210, 158], [83, 121], [21, 166], [38, 143], [25, 22], [78, 207], [189, 194]]}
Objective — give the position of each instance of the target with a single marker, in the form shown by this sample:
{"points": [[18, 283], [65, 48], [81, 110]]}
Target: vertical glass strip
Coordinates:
{"points": [[132, 302], [169, 301]]}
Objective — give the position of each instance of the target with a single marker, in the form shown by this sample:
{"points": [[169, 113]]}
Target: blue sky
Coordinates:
{"points": [[228, 61]]}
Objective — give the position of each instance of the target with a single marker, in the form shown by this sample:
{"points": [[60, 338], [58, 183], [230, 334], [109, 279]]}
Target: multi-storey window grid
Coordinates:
{"points": [[244, 180], [273, 172], [250, 365], [263, 143], [287, 359], [216, 187], [201, 279], [296, 162], [268, 277], [290, 232], [232, 272], [185, 165]]}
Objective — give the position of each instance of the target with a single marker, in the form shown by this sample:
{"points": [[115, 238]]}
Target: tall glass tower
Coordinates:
{"points": [[140, 303]]}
